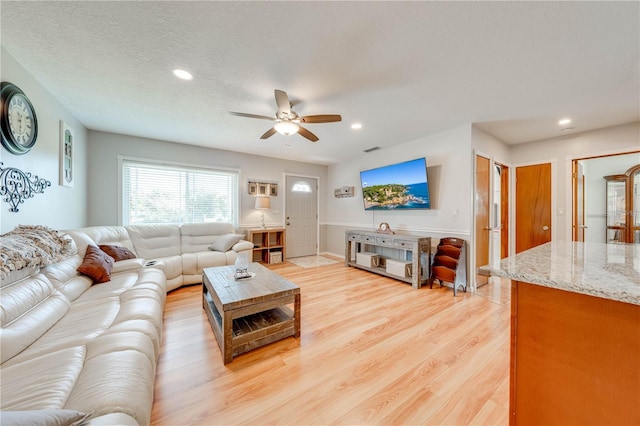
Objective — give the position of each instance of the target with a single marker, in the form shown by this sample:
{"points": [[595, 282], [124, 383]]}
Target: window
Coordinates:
{"points": [[165, 193], [301, 186]]}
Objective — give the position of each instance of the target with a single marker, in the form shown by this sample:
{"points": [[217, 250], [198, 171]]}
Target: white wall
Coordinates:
{"points": [[485, 144], [563, 150], [58, 207], [595, 191], [449, 169], [104, 149]]}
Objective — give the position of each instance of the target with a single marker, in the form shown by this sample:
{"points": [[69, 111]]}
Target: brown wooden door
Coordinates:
{"points": [[482, 214], [533, 206], [633, 204], [578, 201], [504, 211]]}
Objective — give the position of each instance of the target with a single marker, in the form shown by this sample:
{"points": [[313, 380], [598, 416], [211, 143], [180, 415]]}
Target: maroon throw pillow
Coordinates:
{"points": [[117, 252], [96, 265]]}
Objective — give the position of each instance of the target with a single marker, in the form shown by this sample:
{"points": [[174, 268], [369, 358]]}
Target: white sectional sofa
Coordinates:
{"points": [[181, 251], [72, 350]]}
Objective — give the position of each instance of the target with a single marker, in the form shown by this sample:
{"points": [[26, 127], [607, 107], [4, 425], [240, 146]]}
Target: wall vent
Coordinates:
{"points": [[372, 149]]}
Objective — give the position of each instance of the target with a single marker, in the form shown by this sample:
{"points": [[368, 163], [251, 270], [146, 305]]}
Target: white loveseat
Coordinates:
{"points": [[72, 349]]}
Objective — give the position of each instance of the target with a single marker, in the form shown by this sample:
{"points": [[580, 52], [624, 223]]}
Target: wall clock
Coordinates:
{"points": [[18, 120]]}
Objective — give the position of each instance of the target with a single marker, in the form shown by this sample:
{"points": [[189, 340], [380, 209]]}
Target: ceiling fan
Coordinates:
{"points": [[287, 121]]}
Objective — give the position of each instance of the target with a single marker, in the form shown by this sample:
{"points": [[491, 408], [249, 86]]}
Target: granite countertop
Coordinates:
{"points": [[609, 271]]}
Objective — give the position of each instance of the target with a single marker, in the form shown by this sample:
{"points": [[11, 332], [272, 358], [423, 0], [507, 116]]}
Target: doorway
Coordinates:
{"points": [[491, 213], [589, 203], [301, 215]]}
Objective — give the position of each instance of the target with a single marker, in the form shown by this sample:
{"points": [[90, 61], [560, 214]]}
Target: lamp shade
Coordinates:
{"points": [[263, 203], [286, 128]]}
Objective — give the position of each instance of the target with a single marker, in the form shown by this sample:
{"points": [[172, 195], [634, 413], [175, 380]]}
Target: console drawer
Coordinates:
{"points": [[406, 244], [367, 239], [384, 241]]}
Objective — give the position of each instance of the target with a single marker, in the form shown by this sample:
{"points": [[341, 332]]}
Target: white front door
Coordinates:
{"points": [[301, 215]]}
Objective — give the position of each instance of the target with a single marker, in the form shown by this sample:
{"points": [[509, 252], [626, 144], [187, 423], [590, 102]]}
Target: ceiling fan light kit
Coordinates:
{"points": [[287, 121], [286, 128]]}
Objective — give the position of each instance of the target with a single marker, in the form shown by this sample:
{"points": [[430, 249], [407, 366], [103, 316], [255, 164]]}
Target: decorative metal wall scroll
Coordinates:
{"points": [[16, 186]]}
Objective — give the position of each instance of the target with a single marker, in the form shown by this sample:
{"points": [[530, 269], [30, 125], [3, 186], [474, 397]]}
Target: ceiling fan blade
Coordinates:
{"points": [[268, 133], [244, 114], [323, 118], [282, 100], [307, 134]]}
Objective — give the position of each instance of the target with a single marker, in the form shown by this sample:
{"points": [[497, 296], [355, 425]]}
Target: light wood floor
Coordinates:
{"points": [[372, 351]]}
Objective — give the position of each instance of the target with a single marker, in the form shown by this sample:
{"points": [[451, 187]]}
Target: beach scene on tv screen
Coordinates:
{"points": [[397, 186]]}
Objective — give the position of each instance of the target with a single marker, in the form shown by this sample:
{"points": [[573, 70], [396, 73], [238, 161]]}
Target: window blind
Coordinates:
{"points": [[160, 193]]}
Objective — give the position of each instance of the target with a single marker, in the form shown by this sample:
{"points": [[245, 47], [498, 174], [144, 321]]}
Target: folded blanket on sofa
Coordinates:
{"points": [[28, 246]]}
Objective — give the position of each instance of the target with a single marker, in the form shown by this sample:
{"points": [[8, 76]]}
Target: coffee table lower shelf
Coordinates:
{"points": [[254, 330]]}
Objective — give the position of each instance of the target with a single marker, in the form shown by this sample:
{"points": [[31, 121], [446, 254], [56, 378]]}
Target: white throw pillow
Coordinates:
{"points": [[225, 242]]}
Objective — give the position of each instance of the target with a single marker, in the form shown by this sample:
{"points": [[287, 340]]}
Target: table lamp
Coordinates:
{"points": [[262, 204]]}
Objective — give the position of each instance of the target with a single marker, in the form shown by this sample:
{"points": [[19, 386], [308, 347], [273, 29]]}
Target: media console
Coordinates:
{"points": [[413, 250]]}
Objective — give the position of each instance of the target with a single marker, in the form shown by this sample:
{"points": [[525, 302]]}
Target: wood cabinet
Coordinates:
{"points": [[574, 358], [403, 257], [623, 206], [268, 245]]}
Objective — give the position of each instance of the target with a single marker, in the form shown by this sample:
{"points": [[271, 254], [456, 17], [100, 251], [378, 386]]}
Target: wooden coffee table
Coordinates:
{"points": [[246, 314]]}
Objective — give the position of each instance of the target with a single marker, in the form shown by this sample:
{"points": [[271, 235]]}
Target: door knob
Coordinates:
{"points": [[545, 228]]}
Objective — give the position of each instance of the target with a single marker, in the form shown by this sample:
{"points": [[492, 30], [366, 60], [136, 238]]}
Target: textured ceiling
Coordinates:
{"points": [[403, 69]]}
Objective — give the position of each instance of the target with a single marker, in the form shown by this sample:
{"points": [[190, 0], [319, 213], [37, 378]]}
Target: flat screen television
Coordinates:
{"points": [[396, 186]]}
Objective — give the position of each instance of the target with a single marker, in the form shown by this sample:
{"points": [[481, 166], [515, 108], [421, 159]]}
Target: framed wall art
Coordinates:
{"points": [[66, 155], [262, 188], [253, 188]]}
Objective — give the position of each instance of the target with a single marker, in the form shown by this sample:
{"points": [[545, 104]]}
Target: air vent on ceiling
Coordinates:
{"points": [[372, 149]]}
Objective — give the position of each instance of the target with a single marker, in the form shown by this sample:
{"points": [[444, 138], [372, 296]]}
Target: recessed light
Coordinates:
{"points": [[564, 121], [356, 126], [182, 74]]}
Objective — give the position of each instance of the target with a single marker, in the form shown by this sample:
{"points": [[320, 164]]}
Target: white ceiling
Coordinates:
{"points": [[403, 69]]}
